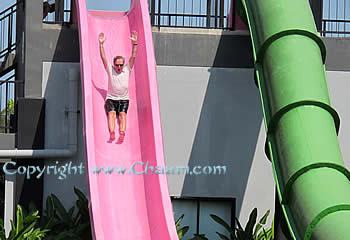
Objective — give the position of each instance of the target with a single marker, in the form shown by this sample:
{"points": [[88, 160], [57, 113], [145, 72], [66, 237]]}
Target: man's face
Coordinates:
{"points": [[118, 65]]}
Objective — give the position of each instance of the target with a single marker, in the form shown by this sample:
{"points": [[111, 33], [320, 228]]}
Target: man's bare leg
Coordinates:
{"points": [[111, 124], [122, 126]]}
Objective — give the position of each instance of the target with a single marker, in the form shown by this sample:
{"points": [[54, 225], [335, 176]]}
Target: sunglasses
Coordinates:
{"points": [[119, 65]]}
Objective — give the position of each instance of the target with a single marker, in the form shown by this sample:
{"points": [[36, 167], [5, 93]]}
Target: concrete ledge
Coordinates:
{"points": [[7, 141], [228, 49], [202, 48], [205, 31], [338, 54], [58, 26]]}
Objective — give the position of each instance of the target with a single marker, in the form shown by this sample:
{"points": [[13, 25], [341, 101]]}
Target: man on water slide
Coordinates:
{"points": [[117, 99]]}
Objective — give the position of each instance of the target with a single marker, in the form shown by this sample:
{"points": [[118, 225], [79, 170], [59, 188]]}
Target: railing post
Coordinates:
{"points": [[153, 10], [6, 108], [159, 12], [216, 7], [208, 13], [59, 10], [234, 6], [221, 19], [9, 42], [323, 31]]}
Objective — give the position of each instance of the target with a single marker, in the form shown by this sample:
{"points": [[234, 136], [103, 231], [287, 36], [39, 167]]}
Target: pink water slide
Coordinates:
{"points": [[130, 206]]}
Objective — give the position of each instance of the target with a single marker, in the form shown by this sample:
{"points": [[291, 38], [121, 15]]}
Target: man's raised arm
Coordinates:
{"points": [[102, 39], [134, 49]]}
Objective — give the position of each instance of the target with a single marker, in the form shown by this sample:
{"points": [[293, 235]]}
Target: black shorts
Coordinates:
{"points": [[116, 105]]}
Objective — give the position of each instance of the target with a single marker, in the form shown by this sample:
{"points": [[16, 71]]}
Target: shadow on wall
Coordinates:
{"points": [[65, 58], [227, 131]]}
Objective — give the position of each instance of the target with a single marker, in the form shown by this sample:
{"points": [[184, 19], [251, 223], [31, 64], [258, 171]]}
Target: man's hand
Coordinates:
{"points": [[101, 38], [133, 38]]}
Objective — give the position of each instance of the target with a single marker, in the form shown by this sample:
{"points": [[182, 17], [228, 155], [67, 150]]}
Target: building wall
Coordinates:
{"points": [[211, 112], [55, 90], [44, 42], [212, 117]]}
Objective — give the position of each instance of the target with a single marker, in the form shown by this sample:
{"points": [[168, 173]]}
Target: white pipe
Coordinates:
{"points": [[9, 210], [73, 77], [36, 153]]}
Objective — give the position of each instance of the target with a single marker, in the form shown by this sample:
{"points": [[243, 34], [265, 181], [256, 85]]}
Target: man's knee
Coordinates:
{"points": [[122, 115], [111, 114]]}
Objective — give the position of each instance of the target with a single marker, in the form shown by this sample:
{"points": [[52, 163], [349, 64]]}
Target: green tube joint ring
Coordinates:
{"points": [[322, 215]]}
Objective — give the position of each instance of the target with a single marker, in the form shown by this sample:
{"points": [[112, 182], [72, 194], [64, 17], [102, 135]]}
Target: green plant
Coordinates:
{"points": [[199, 237], [71, 224], [252, 230], [56, 224], [181, 231], [11, 106], [10, 111], [25, 226]]}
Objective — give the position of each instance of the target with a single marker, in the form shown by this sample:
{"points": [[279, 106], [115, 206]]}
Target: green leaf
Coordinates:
{"points": [[50, 211], [264, 218], [261, 223], [251, 223], [61, 210], [80, 195], [71, 211], [223, 223], [178, 221], [182, 231], [239, 226], [19, 219], [241, 234], [222, 236], [273, 229], [199, 237]]}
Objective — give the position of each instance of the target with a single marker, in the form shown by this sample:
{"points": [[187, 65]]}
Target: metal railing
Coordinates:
{"points": [[335, 28], [332, 16], [57, 11], [7, 31], [336, 18], [190, 13], [7, 103], [8, 43]]}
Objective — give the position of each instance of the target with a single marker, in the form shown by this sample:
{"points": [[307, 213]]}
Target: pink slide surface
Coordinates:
{"points": [[123, 206]]}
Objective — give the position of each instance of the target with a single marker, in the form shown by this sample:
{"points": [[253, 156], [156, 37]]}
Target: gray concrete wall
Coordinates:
{"points": [[55, 89], [212, 116], [338, 54], [339, 85], [203, 48], [45, 42]]}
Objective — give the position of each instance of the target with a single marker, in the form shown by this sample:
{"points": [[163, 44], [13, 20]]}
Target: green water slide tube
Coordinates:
{"points": [[313, 184]]}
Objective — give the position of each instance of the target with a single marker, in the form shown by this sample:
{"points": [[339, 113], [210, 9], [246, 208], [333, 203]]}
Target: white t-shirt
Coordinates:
{"points": [[118, 83]]}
